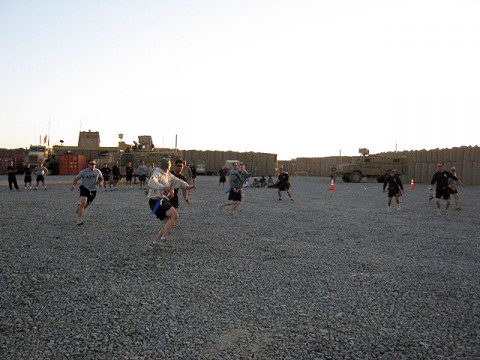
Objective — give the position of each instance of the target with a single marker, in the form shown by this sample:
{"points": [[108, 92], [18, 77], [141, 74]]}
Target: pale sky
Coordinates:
{"points": [[294, 78]]}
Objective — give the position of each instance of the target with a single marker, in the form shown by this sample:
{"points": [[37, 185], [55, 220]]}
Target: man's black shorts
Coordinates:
{"points": [[89, 194], [442, 193]]}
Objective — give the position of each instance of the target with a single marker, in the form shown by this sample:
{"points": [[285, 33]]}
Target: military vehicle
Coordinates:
{"points": [[41, 153], [371, 167], [200, 166], [143, 150]]}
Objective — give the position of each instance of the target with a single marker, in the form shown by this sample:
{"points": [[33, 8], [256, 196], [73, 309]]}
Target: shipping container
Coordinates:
{"points": [[71, 164]]}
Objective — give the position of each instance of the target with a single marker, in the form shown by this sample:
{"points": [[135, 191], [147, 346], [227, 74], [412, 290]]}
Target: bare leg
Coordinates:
{"points": [[172, 216]]}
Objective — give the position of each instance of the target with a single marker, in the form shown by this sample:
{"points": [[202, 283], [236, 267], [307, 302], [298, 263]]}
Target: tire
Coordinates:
{"points": [[355, 177], [346, 178]]}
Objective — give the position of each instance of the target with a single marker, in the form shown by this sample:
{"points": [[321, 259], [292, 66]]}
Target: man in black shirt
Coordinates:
{"points": [[12, 177], [284, 184], [395, 188], [441, 179]]}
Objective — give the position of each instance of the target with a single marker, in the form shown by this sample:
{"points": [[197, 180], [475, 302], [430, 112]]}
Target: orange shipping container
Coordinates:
{"points": [[71, 164]]}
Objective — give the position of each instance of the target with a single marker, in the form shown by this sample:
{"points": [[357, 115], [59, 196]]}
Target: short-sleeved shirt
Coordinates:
{"points": [[90, 178]]}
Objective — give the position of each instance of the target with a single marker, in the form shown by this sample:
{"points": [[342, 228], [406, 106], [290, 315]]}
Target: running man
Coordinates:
{"points": [[442, 191], [235, 191], [91, 178], [284, 184], [161, 189]]}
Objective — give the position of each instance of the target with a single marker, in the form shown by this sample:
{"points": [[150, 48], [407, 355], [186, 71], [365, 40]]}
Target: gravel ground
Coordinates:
{"points": [[330, 275]]}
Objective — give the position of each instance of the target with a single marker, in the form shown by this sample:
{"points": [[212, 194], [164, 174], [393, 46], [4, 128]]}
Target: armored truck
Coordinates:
{"points": [[371, 167]]}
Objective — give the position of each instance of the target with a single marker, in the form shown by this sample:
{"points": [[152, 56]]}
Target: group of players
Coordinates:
{"points": [[164, 184], [445, 186]]}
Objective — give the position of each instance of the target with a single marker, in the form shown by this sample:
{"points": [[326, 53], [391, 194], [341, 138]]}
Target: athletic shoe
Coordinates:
{"points": [[79, 223], [458, 208], [161, 243], [389, 209], [399, 208]]}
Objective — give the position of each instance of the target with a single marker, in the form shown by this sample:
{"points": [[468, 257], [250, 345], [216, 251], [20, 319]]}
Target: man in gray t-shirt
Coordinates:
{"points": [[142, 174], [91, 178]]}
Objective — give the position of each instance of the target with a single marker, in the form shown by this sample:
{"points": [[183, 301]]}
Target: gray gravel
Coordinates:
{"points": [[331, 275]]}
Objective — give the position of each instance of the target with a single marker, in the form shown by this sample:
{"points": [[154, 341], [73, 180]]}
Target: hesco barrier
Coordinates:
{"points": [[264, 163], [422, 164]]}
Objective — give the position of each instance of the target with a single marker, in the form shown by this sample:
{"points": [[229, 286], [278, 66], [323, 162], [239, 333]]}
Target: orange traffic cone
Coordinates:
{"points": [[332, 185], [412, 185]]}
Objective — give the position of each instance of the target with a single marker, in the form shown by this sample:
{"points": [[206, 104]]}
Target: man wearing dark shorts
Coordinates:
{"points": [[142, 174], [90, 177], [442, 191], [116, 174], [395, 188], [106, 171], [222, 173], [235, 191], [128, 175], [179, 164], [28, 175], [40, 171], [161, 186], [284, 184]]}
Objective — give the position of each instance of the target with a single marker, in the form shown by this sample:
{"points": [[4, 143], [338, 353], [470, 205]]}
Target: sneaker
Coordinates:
{"points": [[45, 188], [399, 208], [291, 199], [79, 222], [219, 207], [439, 212], [458, 208], [161, 243], [230, 212], [279, 199], [36, 188], [389, 209]]}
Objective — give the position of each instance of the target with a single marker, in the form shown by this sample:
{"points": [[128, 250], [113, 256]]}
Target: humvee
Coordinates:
{"points": [[371, 166]]}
